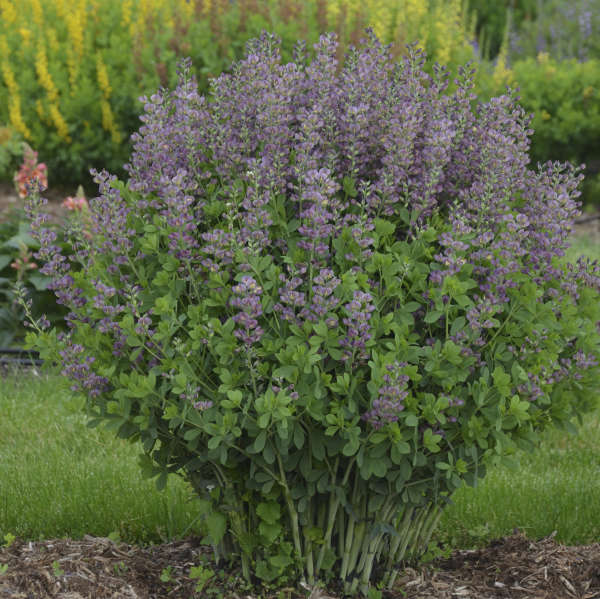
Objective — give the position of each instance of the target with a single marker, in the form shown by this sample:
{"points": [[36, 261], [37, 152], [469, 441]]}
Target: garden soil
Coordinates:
{"points": [[98, 568]]}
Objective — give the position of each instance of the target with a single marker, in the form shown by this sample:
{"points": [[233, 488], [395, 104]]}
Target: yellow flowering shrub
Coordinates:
{"points": [[72, 71]]}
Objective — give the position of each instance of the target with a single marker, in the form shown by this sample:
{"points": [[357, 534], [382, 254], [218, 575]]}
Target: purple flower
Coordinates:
{"points": [[247, 298], [358, 330]]}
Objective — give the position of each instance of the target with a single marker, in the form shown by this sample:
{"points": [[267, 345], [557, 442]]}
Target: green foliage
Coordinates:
{"points": [[201, 575], [565, 30], [17, 265], [11, 152], [493, 18], [56, 569]]}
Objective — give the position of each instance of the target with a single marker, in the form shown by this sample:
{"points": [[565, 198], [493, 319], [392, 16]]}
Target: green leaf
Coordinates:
{"points": [[259, 442], [432, 316], [411, 420], [384, 227], [298, 437], [411, 307], [216, 524], [235, 396], [502, 381], [269, 511], [518, 373], [214, 442], [269, 530], [431, 441], [351, 447], [348, 186], [399, 449], [263, 420]]}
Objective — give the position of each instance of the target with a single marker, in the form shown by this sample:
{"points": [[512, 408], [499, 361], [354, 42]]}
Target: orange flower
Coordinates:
{"points": [[77, 202], [29, 172]]}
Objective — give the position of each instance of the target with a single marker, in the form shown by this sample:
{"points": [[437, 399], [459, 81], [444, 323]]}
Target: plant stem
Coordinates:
{"points": [[359, 536], [292, 510], [333, 507]]}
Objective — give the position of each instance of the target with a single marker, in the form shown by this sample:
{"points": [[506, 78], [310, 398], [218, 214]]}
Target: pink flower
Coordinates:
{"points": [[75, 203], [29, 172]]}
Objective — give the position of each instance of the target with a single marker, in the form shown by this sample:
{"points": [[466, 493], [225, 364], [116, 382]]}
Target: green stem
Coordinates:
{"points": [[333, 507], [359, 536], [431, 524], [409, 531], [400, 538], [291, 509], [371, 547], [350, 532], [308, 547], [341, 529]]}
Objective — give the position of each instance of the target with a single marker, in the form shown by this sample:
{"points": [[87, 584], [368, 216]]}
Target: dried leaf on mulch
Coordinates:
{"points": [[511, 567], [97, 568]]}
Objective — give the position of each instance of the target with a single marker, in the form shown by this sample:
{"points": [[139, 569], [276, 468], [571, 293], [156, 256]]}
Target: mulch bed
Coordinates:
{"points": [[98, 568]]}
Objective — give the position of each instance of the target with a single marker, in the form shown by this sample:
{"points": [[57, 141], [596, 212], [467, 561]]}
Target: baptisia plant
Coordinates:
{"points": [[328, 296]]}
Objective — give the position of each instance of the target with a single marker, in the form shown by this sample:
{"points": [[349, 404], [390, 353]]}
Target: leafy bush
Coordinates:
{"points": [[564, 97], [71, 74], [328, 296]]}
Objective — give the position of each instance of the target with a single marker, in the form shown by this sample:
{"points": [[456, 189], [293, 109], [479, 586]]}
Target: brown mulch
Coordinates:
{"points": [[98, 568]]}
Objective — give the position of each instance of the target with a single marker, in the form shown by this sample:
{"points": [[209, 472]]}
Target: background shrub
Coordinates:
{"points": [[493, 18], [71, 73], [561, 29], [327, 297], [11, 152]]}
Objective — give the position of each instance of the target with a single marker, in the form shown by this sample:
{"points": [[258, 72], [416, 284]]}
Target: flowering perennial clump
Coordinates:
{"points": [[328, 295]]}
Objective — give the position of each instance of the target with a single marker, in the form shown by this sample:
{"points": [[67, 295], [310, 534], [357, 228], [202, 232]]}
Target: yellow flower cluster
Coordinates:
{"points": [[44, 77], [15, 117], [438, 25], [126, 12], [502, 75], [108, 119], [59, 122], [103, 77], [7, 12], [38, 13], [46, 81]]}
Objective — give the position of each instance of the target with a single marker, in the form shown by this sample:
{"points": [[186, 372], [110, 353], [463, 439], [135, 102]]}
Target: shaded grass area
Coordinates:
{"points": [[584, 245], [59, 478]]}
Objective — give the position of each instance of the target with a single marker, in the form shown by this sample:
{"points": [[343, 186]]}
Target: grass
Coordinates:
{"points": [[555, 488], [59, 478]]}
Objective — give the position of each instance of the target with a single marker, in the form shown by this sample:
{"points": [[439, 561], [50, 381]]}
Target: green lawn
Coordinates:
{"points": [[59, 478]]}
